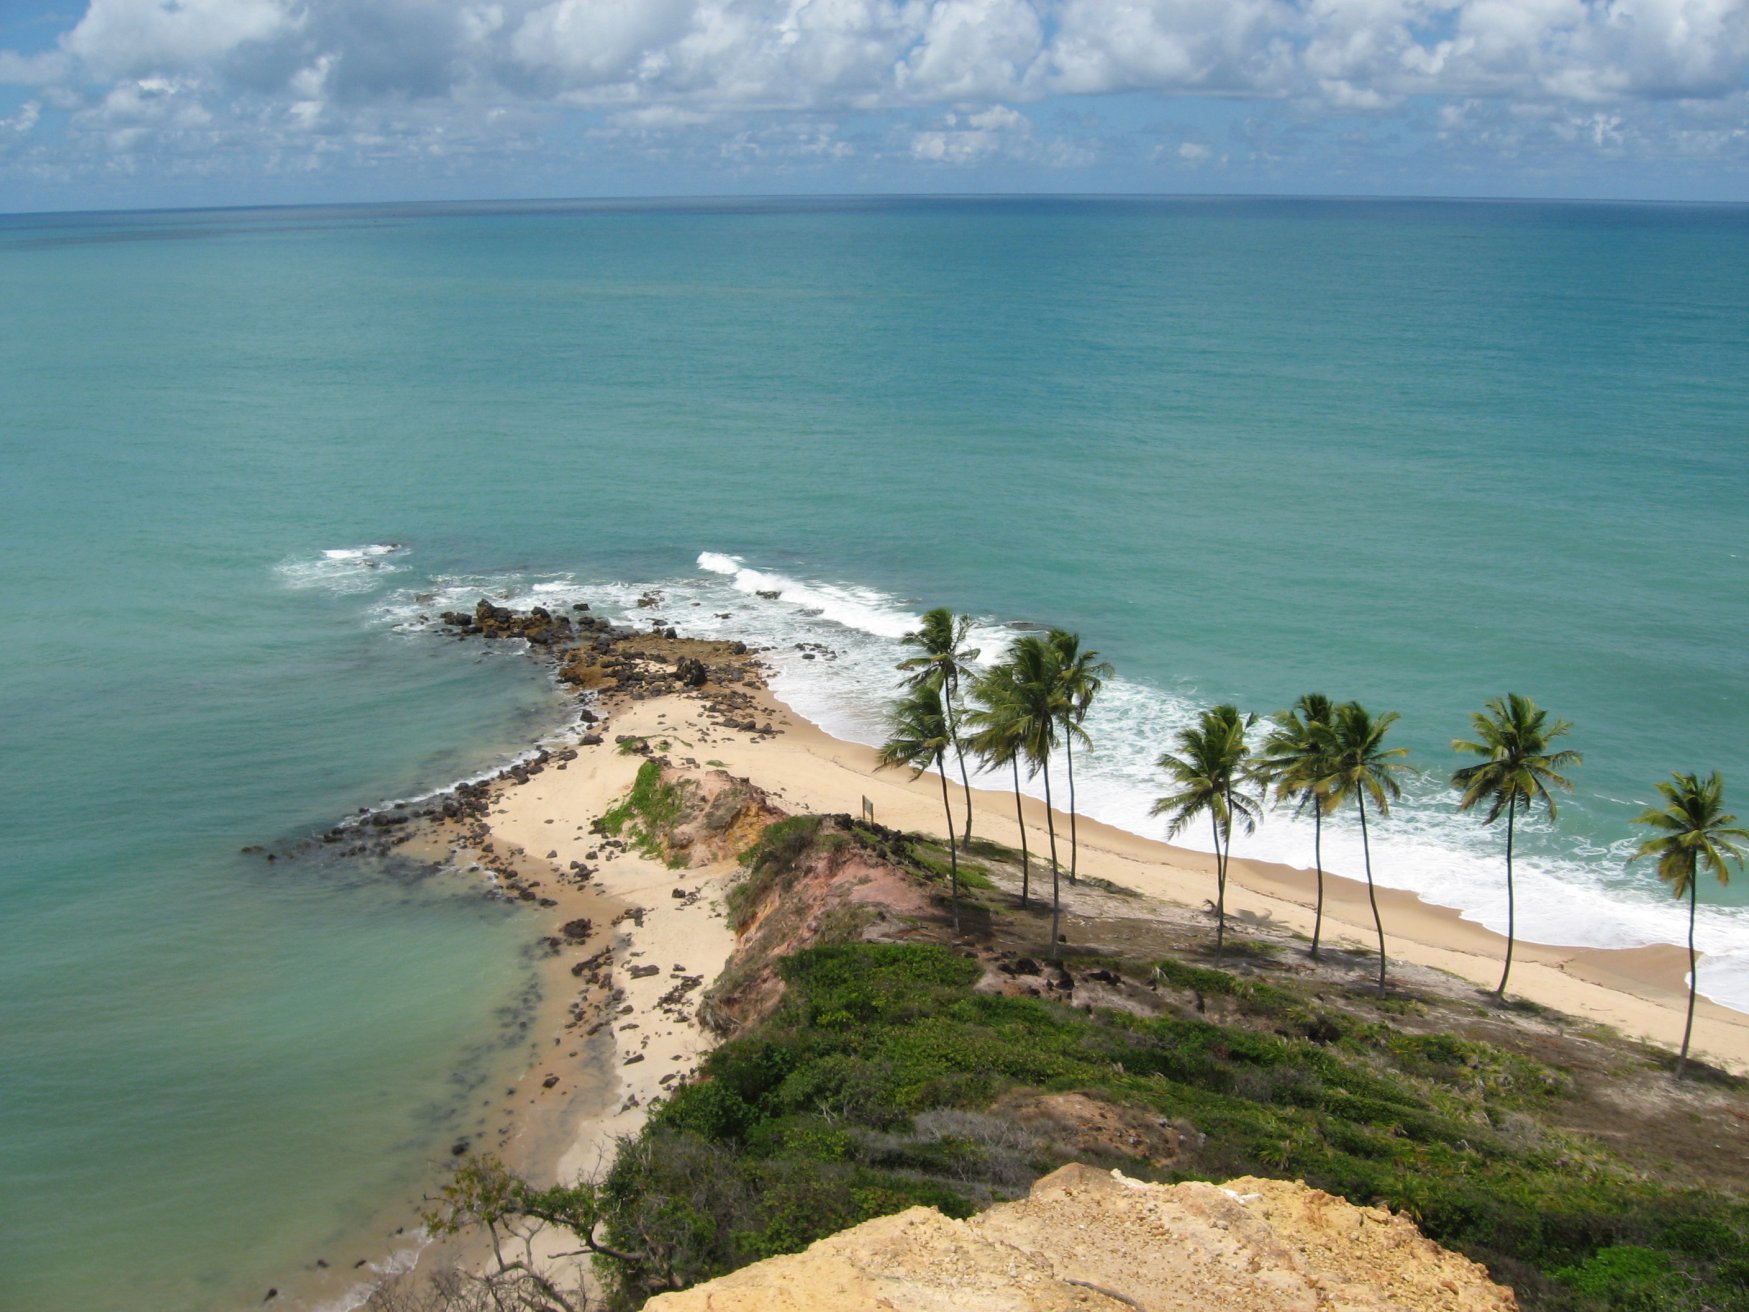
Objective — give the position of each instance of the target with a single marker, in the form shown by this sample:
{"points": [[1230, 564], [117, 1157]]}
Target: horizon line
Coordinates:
{"points": [[685, 198]]}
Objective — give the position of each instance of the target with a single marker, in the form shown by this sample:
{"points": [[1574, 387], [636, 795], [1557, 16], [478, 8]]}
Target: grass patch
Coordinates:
{"points": [[776, 854], [647, 812], [869, 1090]]}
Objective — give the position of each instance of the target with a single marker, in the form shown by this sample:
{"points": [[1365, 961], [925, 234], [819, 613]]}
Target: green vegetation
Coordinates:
{"points": [[1512, 738], [1693, 833], [999, 736], [920, 730], [872, 1088], [1079, 675], [1296, 760], [1361, 766], [942, 659], [1208, 773], [650, 809], [1023, 709], [768, 861]]}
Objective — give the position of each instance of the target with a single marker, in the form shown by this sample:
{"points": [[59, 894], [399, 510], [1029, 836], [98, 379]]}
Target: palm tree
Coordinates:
{"points": [[1362, 767], [919, 735], [943, 657], [999, 724], [1517, 768], [1295, 758], [1037, 691], [1209, 772], [1693, 834], [1081, 674]]}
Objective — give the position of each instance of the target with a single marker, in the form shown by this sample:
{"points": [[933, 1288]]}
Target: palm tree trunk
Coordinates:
{"points": [[1074, 842], [1220, 887], [953, 860], [1318, 861], [1511, 815], [1693, 979], [1371, 894], [1020, 819], [1056, 902], [958, 751]]}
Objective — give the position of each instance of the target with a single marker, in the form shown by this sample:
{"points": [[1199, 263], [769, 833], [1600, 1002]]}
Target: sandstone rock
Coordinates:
{"points": [[1094, 1241]]}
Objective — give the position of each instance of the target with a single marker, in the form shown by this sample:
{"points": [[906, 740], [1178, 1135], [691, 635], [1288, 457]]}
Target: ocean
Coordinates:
{"points": [[1414, 453]]}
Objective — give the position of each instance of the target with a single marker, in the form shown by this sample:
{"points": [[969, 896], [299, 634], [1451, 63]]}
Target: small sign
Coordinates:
{"points": [[868, 810]]}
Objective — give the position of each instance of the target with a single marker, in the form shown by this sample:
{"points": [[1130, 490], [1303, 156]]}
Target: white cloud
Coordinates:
{"points": [[973, 138], [16, 126], [972, 50], [1174, 46], [121, 37], [38, 70], [756, 79], [591, 42]]}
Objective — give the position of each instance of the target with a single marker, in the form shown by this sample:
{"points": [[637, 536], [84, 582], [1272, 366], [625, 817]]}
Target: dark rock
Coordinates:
{"points": [[578, 930], [459, 1147], [549, 1082], [644, 972]]}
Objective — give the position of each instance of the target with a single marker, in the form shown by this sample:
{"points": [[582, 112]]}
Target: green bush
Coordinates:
{"points": [[868, 1090]]}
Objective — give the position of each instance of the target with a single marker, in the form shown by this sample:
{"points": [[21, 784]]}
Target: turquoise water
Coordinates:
{"points": [[1414, 453]]}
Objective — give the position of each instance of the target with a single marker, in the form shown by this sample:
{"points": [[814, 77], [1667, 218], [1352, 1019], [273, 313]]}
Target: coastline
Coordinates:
{"points": [[619, 1025]]}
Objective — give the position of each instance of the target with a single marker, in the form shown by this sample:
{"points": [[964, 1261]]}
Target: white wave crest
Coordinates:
{"points": [[342, 569], [832, 650], [845, 604]]}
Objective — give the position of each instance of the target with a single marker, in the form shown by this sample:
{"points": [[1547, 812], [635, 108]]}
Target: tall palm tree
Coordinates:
{"points": [[1038, 701], [1693, 834], [1082, 674], [1362, 767], [942, 659], [1209, 773], [1516, 771], [999, 726], [919, 735], [1296, 759]]}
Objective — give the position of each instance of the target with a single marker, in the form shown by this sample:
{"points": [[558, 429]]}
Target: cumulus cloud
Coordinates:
{"points": [[131, 37], [973, 138], [16, 126], [949, 78]]}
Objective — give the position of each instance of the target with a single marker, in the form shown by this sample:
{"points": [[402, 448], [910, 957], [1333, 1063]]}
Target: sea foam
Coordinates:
{"points": [[343, 569], [833, 647]]}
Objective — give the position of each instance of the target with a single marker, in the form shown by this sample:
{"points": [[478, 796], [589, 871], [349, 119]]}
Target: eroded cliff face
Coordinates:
{"points": [[1095, 1241]]}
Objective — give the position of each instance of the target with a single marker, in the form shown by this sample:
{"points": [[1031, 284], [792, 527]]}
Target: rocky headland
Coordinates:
{"points": [[715, 916]]}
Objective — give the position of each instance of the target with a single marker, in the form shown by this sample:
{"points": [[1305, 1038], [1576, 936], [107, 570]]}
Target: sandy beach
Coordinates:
{"points": [[669, 939]]}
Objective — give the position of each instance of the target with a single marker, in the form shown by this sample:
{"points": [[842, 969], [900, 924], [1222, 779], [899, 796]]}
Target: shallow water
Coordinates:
{"points": [[1413, 453]]}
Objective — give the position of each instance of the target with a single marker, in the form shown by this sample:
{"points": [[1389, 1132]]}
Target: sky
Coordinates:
{"points": [[123, 104]]}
